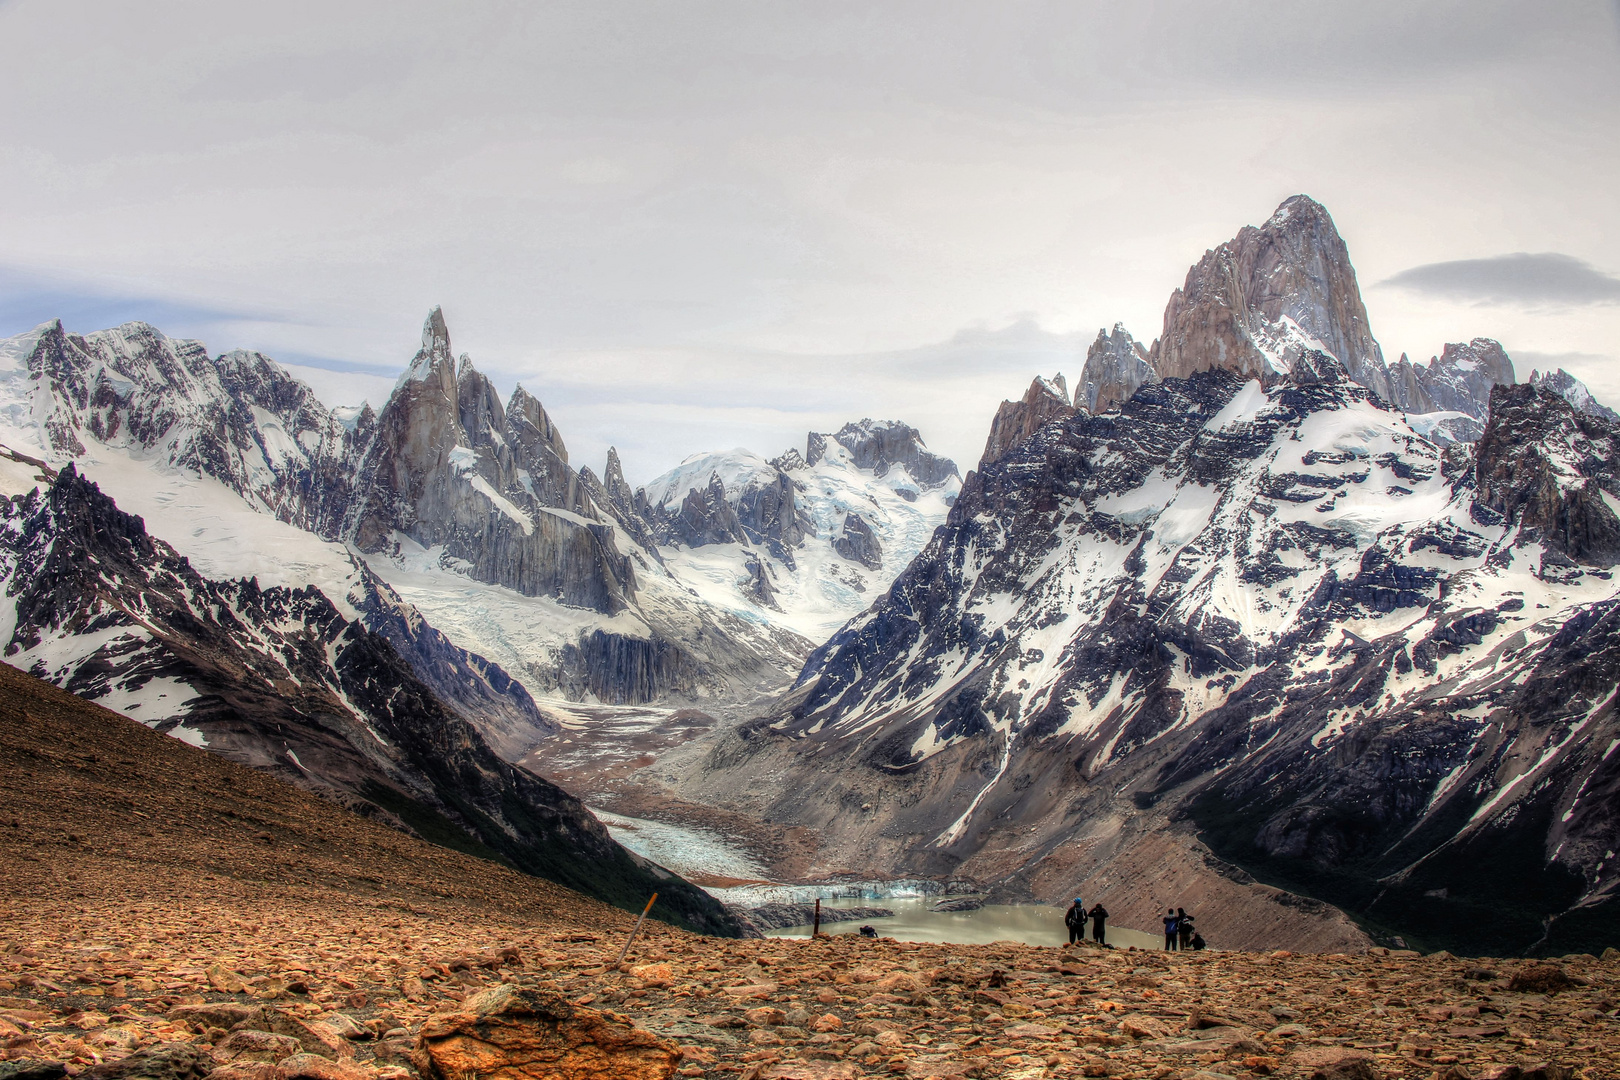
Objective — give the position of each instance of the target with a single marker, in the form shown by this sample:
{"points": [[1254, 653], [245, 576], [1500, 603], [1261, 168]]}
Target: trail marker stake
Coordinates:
{"points": [[626, 950], [815, 931]]}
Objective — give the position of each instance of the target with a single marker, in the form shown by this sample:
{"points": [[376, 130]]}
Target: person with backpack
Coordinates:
{"points": [[1169, 931], [1075, 920], [1184, 928], [1099, 922]]}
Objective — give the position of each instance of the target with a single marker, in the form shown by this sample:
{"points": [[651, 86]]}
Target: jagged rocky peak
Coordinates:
{"points": [[1458, 380], [1573, 391], [449, 466], [1553, 471], [1255, 303], [1015, 421], [879, 445], [1116, 364]]}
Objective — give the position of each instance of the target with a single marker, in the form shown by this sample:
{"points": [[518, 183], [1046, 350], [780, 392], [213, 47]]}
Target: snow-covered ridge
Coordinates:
{"points": [[801, 544]]}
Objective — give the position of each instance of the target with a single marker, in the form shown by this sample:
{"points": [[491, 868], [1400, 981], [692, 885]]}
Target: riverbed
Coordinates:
{"points": [[1030, 924]]}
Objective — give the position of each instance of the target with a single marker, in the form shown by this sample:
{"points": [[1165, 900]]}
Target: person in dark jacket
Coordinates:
{"points": [[1169, 931], [1198, 941], [1075, 920], [1099, 923], [1184, 928]]}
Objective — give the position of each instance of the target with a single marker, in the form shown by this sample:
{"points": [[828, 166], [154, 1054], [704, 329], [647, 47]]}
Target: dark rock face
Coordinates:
{"points": [[859, 543], [446, 469], [1460, 379], [879, 445], [1277, 614], [1045, 400], [281, 680]]}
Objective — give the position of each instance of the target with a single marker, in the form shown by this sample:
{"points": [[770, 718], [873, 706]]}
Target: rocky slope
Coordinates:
{"points": [[292, 682], [1252, 624], [160, 905], [802, 541]]}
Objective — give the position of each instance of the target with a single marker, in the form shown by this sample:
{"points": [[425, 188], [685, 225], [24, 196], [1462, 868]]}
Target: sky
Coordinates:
{"points": [[690, 226]]}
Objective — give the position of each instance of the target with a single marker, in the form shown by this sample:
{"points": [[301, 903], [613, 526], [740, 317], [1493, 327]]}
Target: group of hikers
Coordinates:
{"points": [[1179, 932], [1075, 919]]}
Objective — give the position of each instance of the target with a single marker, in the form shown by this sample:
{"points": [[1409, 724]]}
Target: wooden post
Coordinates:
{"points": [[815, 931], [626, 950]]}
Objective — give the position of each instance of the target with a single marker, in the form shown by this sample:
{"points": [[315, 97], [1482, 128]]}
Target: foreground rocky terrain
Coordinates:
{"points": [[167, 914]]}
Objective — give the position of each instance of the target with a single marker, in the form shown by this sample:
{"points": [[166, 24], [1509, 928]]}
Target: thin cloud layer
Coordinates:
{"points": [[1519, 278]]}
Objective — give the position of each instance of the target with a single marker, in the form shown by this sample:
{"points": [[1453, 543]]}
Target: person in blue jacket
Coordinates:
{"points": [[1170, 926]]}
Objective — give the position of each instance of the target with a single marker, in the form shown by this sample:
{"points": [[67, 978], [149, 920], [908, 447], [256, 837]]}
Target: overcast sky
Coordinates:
{"points": [[689, 226]]}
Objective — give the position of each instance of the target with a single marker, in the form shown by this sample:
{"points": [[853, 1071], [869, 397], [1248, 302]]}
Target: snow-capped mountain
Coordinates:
{"points": [[445, 493], [290, 680], [1278, 292], [802, 541], [1573, 391], [1250, 622]]}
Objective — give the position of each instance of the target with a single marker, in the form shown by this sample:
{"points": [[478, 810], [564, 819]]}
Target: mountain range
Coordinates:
{"points": [[1252, 619], [1236, 628]]}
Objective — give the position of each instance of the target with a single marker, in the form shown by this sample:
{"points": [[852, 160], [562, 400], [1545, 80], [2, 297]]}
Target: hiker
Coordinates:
{"points": [[1184, 928], [1169, 931], [1197, 941], [1099, 920], [1075, 920], [868, 932]]}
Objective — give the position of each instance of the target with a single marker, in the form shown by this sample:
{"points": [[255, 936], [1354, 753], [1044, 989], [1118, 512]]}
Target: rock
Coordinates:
{"points": [[315, 1037], [508, 1032], [1356, 1069], [222, 1014], [316, 1067], [766, 1014], [959, 903], [1015, 421], [1460, 379], [31, 1069], [1611, 954], [247, 1070], [1541, 979], [249, 1045], [1115, 367], [1573, 391], [858, 543], [879, 445], [1260, 301], [226, 981], [1142, 1026], [811, 1070], [165, 1061]]}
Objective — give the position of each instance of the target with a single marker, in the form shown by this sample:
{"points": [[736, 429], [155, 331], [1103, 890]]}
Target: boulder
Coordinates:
{"points": [[165, 1061], [510, 1032]]}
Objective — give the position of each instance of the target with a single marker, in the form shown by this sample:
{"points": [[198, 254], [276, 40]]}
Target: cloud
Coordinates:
{"points": [[1519, 278]]}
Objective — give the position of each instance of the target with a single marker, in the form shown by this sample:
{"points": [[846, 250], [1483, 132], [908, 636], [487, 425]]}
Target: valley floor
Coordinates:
{"points": [[151, 893]]}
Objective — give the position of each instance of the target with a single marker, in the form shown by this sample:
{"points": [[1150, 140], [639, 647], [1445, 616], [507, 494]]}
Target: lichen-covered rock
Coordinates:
{"points": [[514, 1033], [165, 1061]]}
